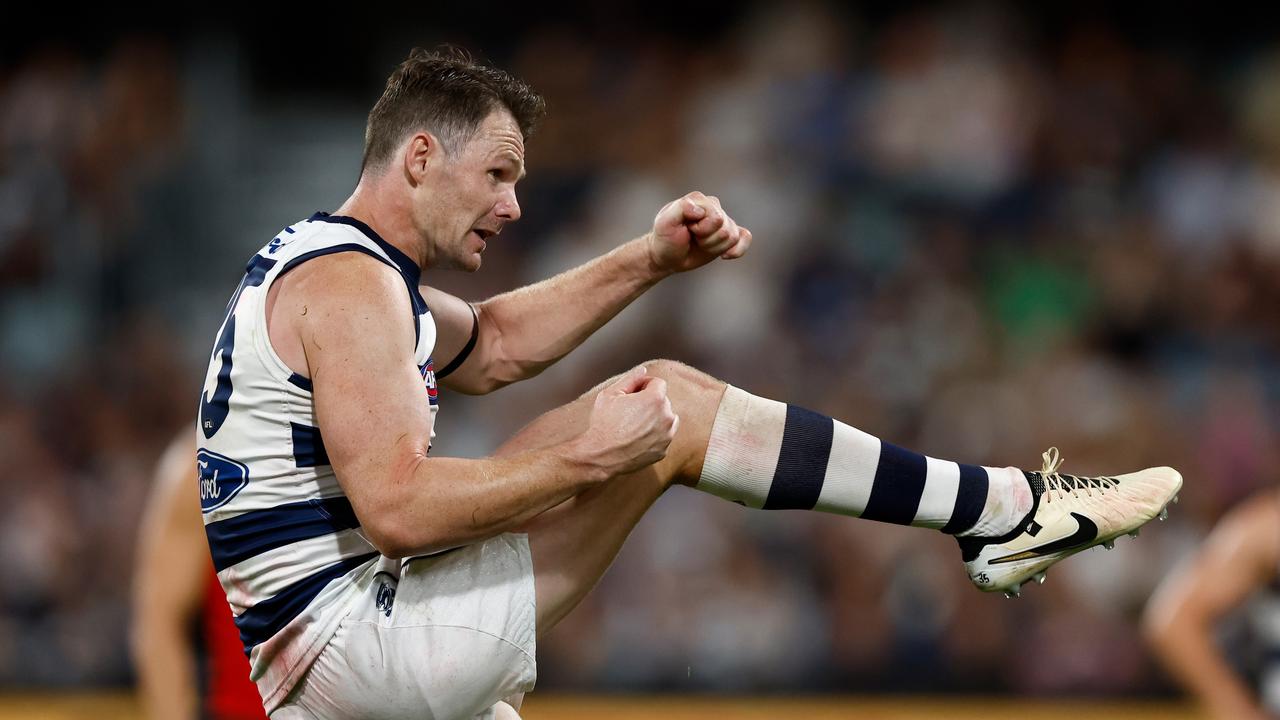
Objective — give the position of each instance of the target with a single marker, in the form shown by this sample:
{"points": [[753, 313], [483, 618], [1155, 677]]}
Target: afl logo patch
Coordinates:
{"points": [[220, 479], [429, 379]]}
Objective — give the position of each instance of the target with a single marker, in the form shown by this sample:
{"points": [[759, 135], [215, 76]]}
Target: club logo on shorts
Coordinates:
{"points": [[220, 479], [386, 596]]}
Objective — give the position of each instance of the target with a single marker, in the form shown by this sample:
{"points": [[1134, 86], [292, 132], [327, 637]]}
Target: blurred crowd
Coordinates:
{"points": [[973, 238]]}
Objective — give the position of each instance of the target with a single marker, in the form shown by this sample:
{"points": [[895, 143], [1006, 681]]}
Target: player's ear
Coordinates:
{"points": [[422, 149]]}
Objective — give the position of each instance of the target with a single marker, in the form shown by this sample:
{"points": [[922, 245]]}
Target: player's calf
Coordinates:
{"points": [[1011, 524]]}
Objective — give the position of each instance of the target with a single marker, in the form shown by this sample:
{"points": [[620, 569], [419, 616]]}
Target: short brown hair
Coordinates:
{"points": [[448, 93]]}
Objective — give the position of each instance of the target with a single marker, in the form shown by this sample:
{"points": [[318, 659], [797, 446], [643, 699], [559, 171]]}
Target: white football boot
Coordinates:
{"points": [[1068, 514]]}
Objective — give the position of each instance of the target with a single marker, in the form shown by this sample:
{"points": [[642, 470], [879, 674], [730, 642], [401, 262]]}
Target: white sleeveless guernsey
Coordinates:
{"points": [[285, 541]]}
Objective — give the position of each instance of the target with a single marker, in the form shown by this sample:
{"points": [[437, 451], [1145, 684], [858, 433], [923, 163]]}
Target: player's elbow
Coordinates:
{"points": [[508, 372], [391, 547], [413, 510], [399, 535], [393, 532], [393, 539], [501, 359], [482, 384], [399, 542], [396, 532], [495, 374]]}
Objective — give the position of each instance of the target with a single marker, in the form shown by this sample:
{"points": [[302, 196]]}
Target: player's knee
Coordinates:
{"points": [[682, 379], [673, 371]]}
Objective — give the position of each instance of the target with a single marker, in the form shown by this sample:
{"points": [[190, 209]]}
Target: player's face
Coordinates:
{"points": [[474, 193]]}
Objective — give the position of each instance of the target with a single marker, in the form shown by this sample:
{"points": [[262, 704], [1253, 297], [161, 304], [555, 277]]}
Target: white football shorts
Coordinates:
{"points": [[447, 639]]}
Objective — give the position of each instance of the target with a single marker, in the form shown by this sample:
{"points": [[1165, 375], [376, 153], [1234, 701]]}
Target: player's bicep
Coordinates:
{"points": [[358, 337]]}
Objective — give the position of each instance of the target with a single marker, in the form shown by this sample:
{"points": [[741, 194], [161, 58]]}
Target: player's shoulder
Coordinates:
{"points": [[345, 278], [338, 265]]}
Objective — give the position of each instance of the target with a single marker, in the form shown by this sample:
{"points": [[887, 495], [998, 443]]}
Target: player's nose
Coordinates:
{"points": [[508, 207]]}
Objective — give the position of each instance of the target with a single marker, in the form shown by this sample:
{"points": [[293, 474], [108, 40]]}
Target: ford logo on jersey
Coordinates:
{"points": [[220, 479]]}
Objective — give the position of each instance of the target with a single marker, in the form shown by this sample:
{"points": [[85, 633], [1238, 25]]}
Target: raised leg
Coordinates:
{"points": [[766, 454], [574, 543]]}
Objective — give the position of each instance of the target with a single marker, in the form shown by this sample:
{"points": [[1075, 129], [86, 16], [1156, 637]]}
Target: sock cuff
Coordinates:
{"points": [[1007, 502], [742, 453]]}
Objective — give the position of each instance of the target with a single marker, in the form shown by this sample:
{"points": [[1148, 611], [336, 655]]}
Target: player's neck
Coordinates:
{"points": [[387, 218]]}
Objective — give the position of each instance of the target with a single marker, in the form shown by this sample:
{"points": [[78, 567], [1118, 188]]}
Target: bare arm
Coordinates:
{"points": [[353, 319], [525, 331], [173, 557], [1239, 557]]}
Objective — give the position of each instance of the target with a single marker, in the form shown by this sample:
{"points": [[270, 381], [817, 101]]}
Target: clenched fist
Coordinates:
{"points": [[692, 231], [631, 424]]}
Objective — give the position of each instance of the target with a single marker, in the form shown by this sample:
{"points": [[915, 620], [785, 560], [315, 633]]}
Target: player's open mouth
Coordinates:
{"points": [[482, 235]]}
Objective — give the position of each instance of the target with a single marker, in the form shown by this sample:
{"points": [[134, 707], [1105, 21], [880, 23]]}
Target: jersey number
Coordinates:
{"points": [[213, 410]]}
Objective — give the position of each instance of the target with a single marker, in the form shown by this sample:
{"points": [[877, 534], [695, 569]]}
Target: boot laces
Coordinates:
{"points": [[1059, 485]]}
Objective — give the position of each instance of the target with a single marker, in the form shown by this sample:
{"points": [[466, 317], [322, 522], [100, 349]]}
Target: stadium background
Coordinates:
{"points": [[980, 231]]}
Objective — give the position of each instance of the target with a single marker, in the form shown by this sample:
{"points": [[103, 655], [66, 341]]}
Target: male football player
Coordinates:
{"points": [[372, 578]]}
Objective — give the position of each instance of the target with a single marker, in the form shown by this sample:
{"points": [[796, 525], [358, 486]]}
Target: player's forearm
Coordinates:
{"points": [[449, 502], [534, 326]]}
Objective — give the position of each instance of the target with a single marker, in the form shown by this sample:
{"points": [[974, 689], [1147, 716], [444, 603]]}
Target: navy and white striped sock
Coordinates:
{"points": [[770, 455]]}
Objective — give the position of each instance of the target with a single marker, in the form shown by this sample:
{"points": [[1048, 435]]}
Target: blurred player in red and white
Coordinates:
{"points": [[1239, 562], [186, 648]]}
